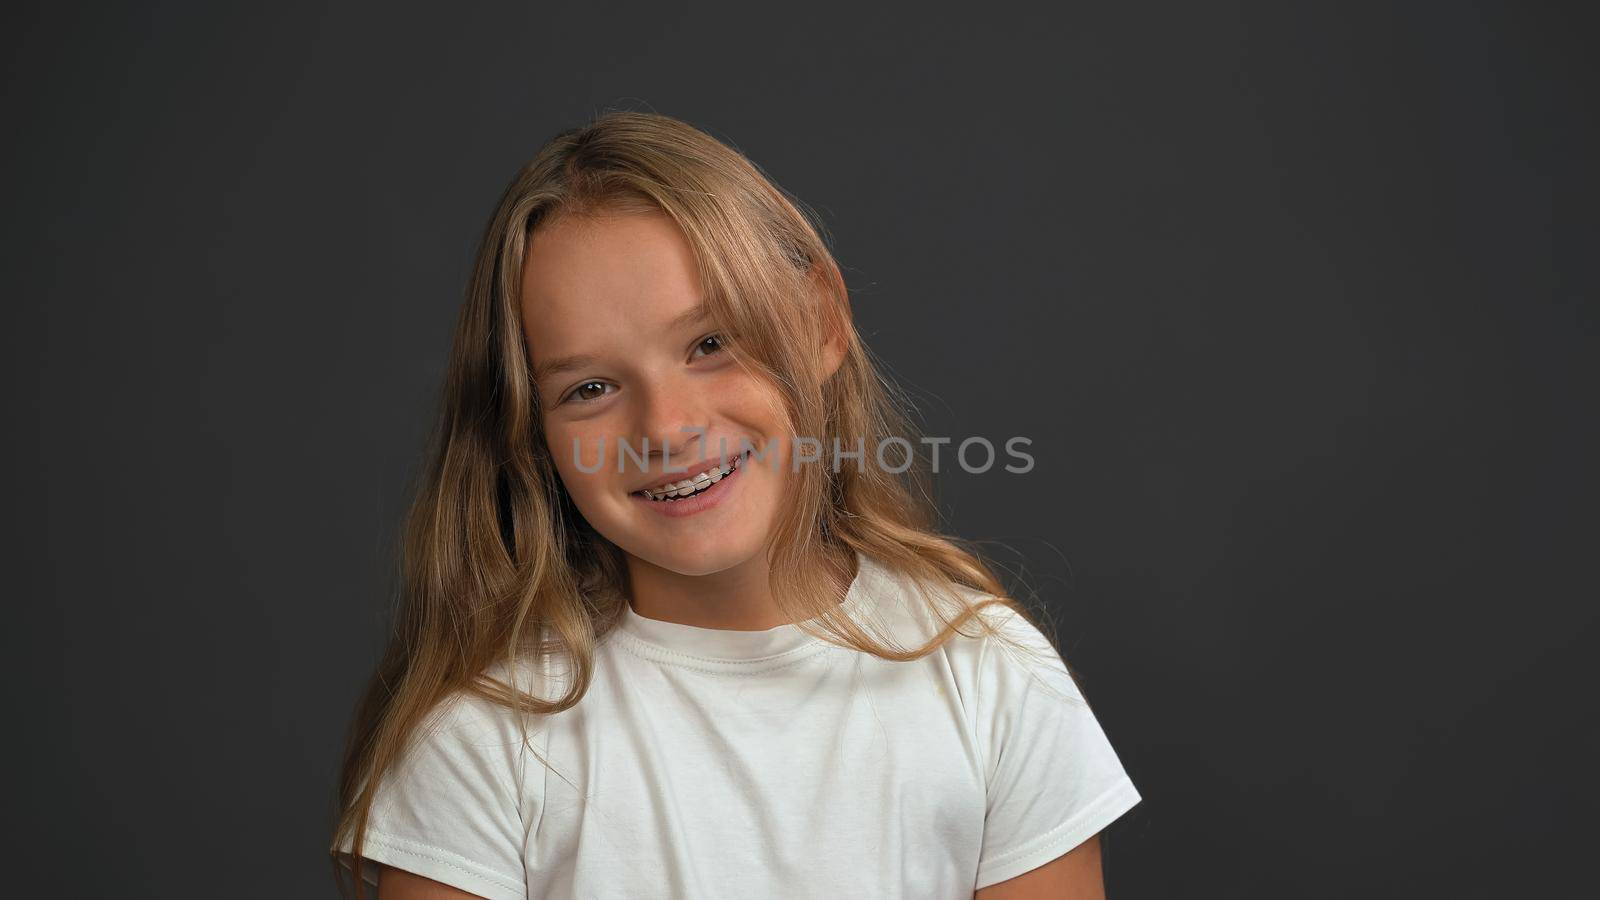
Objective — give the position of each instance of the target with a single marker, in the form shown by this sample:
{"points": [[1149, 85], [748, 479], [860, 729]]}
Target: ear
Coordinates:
{"points": [[834, 300]]}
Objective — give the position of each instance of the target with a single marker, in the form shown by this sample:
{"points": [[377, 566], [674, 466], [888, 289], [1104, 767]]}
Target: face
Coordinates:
{"points": [[623, 355]]}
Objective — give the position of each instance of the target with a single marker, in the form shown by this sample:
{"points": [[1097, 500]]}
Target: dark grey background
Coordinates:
{"points": [[1294, 300]]}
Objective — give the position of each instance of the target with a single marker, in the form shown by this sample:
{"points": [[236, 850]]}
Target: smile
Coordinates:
{"points": [[693, 493]]}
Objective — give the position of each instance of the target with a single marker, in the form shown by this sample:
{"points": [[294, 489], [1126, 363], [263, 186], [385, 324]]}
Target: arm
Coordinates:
{"points": [[1074, 875], [398, 884]]}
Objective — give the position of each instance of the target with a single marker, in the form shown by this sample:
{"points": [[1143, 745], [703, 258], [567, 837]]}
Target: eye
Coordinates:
{"points": [[711, 343], [582, 393]]}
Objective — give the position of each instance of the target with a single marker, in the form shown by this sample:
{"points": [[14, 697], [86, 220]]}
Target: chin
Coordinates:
{"points": [[694, 561]]}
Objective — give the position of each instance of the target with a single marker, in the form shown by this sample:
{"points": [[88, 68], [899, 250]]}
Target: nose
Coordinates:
{"points": [[673, 418]]}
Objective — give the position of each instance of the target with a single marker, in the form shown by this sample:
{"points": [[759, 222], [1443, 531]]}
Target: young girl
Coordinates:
{"points": [[652, 643]]}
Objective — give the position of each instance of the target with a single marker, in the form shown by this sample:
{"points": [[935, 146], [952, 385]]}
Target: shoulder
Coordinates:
{"points": [[468, 719], [477, 736], [1000, 646], [464, 738], [995, 623]]}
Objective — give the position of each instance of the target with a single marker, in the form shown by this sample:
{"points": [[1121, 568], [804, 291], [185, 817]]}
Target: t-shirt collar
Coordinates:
{"points": [[731, 645]]}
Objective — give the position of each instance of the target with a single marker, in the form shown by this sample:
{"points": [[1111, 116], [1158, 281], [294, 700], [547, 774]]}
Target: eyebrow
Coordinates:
{"points": [[562, 364]]}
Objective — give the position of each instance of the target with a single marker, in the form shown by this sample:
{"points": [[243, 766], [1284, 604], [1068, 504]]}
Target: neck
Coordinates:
{"points": [[736, 599]]}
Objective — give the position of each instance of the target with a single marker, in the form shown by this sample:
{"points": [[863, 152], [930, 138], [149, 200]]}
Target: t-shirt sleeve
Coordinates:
{"points": [[452, 809], [1052, 779]]}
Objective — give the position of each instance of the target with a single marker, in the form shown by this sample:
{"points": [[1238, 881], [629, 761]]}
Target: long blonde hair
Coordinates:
{"points": [[496, 563]]}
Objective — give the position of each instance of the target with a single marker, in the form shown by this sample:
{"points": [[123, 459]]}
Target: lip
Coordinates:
{"points": [[710, 498], [692, 469]]}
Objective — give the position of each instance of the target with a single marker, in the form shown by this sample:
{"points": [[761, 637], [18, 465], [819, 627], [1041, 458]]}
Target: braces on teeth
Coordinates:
{"points": [[691, 486]]}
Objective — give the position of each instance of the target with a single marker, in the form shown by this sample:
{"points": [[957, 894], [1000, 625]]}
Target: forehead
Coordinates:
{"points": [[592, 281]]}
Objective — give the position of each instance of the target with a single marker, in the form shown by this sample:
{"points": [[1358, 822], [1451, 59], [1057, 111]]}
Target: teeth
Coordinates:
{"points": [[688, 486]]}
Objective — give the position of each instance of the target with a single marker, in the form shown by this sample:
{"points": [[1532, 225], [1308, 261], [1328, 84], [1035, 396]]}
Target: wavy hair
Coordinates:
{"points": [[497, 566]]}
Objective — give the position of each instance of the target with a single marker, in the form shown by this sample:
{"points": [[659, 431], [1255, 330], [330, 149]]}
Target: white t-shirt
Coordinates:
{"points": [[712, 763]]}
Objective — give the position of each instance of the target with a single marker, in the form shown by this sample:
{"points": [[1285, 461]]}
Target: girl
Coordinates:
{"points": [[651, 644]]}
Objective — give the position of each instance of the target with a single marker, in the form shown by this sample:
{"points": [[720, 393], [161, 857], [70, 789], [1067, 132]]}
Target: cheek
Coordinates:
{"points": [[754, 404], [757, 410], [574, 449]]}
